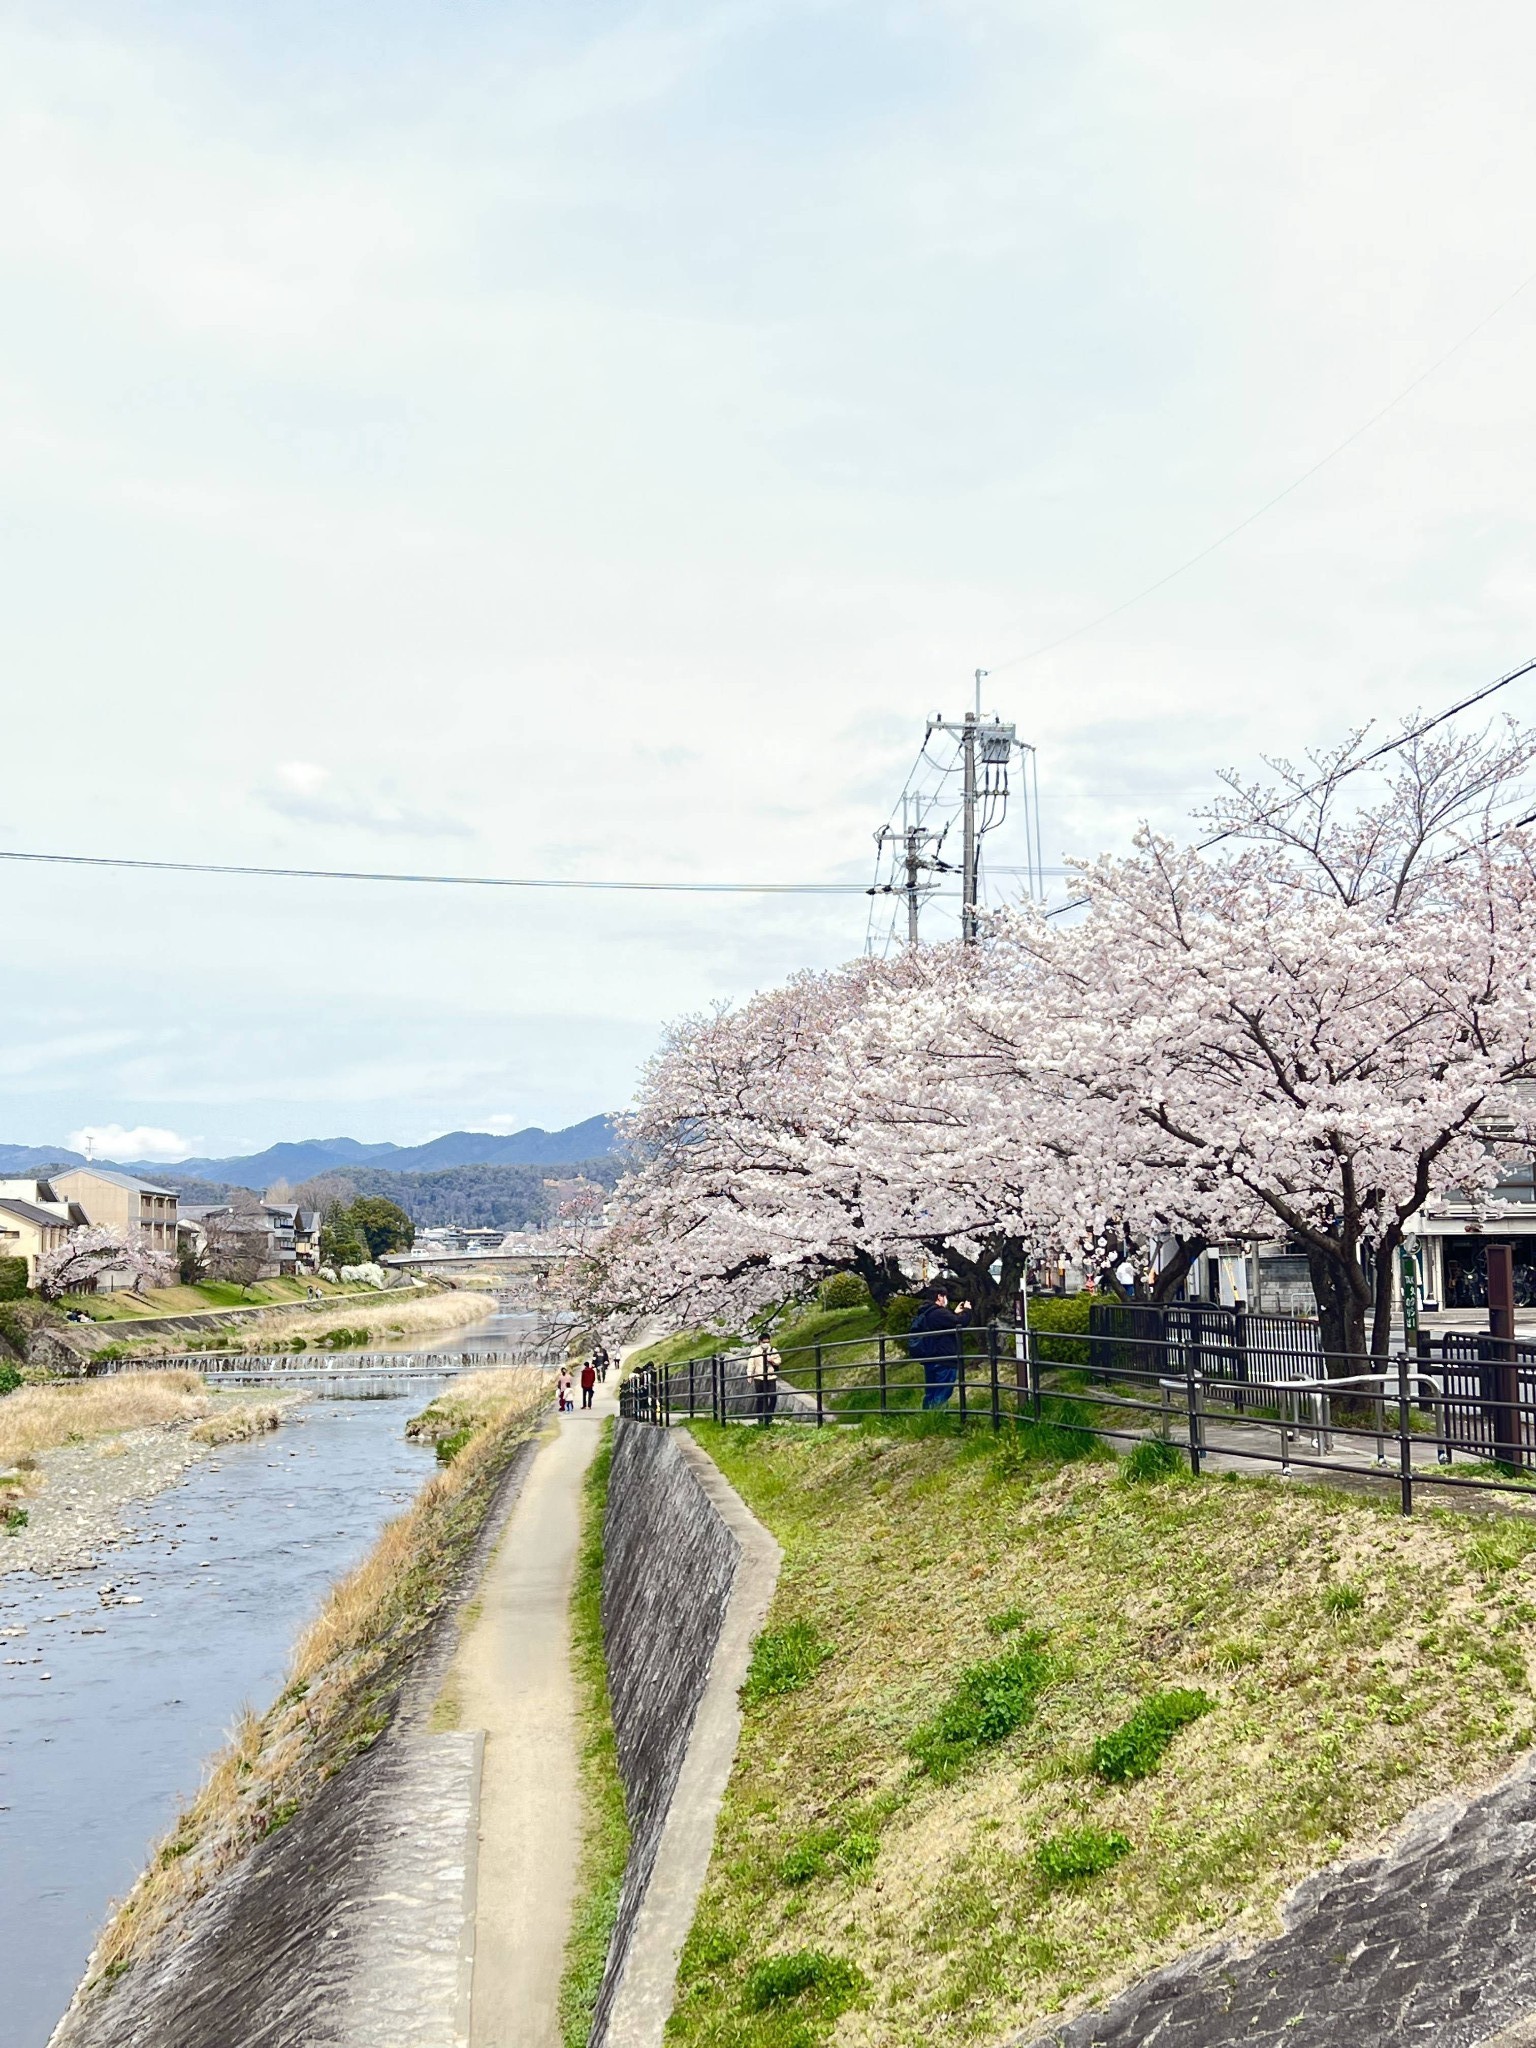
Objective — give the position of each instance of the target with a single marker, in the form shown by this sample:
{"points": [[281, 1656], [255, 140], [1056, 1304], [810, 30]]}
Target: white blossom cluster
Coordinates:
{"points": [[1304, 1031]]}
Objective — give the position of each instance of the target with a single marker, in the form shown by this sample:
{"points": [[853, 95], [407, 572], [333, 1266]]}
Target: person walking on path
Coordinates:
{"points": [[935, 1339], [563, 1389], [763, 1364], [602, 1361], [588, 1383]]}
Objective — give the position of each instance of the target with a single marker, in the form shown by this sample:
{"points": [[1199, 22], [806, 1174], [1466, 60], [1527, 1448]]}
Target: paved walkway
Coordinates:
{"points": [[1434, 1942], [512, 1678]]}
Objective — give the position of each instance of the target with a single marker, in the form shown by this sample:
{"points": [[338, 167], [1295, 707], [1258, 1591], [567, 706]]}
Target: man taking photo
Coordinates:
{"points": [[935, 1339]]}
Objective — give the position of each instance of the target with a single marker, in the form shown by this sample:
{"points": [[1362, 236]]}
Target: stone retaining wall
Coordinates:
{"points": [[687, 1578]]}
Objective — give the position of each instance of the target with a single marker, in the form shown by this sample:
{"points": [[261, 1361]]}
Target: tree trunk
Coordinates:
{"points": [[1381, 1318], [973, 1280], [1342, 1300], [1172, 1276], [883, 1277]]}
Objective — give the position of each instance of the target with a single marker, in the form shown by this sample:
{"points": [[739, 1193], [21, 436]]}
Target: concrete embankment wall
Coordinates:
{"points": [[687, 1577], [352, 1925]]}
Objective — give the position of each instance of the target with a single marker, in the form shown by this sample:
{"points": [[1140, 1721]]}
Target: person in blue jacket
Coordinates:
{"points": [[935, 1339]]}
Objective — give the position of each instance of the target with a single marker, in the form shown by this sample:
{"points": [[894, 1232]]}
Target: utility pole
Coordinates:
{"points": [[986, 749], [914, 839], [996, 743], [914, 864]]}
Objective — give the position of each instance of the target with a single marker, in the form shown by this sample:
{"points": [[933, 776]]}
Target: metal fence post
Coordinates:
{"points": [[691, 1366], [1404, 1437], [714, 1386], [1192, 1407], [666, 1396], [884, 1389], [965, 1362], [997, 1405], [1032, 1373], [821, 1413]]}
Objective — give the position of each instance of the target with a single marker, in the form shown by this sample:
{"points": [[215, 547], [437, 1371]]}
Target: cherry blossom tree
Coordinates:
{"points": [[93, 1253], [1307, 1028]]}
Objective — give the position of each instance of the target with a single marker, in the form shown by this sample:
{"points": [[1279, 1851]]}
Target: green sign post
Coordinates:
{"points": [[1409, 1269]]}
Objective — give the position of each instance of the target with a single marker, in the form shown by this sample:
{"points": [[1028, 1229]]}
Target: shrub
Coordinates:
{"points": [[13, 1279], [987, 1704], [1066, 1313], [1340, 1600], [1077, 1854], [10, 1378], [783, 1660], [843, 1290], [1150, 1461], [13, 1520], [1135, 1749], [835, 1983], [449, 1447], [899, 1311]]}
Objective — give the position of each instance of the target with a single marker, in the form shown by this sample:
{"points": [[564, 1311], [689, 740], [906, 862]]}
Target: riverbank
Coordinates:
{"points": [[76, 1497], [1029, 1721], [389, 1318], [214, 1883]]}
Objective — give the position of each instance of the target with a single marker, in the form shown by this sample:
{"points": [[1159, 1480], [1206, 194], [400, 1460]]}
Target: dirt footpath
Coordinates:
{"points": [[512, 1678]]}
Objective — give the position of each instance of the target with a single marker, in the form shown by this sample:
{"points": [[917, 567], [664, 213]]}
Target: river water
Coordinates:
{"points": [[111, 1701]]}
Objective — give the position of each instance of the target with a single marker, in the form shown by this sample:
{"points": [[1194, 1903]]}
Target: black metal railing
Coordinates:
{"points": [[1183, 1380]]}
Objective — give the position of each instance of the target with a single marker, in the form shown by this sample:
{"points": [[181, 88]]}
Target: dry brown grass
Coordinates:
{"points": [[342, 1686], [238, 1425], [476, 1400], [388, 1318], [35, 1419]]}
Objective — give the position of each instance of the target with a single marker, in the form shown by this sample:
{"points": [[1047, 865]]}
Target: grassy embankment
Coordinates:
{"points": [[122, 1305], [1026, 1720], [851, 1341], [36, 1419], [356, 1320], [345, 1674], [605, 1826]]}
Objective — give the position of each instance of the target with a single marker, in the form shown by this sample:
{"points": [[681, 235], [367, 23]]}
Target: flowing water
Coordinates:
{"points": [[111, 1700]]}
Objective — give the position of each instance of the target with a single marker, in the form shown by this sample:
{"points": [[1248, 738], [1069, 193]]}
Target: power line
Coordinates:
{"points": [[1103, 619], [1387, 747], [201, 867]]}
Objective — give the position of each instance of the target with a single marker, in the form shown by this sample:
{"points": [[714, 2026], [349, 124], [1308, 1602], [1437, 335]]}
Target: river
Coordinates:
{"points": [[110, 1702]]}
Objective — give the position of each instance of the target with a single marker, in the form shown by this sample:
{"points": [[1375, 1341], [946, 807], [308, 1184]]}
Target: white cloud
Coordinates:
{"points": [[314, 796], [144, 1141]]}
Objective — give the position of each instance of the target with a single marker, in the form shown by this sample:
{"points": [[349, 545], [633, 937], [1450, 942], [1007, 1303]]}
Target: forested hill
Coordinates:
{"points": [[499, 1197], [301, 1160], [508, 1197]]}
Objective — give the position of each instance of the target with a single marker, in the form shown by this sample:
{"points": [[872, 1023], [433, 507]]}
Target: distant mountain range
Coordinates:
{"points": [[594, 1139]]}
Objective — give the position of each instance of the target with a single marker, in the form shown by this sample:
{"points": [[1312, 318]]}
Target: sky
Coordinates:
{"points": [[590, 440]]}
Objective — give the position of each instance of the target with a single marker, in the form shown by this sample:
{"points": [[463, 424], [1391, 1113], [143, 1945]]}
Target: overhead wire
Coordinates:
{"points": [[207, 867], [1290, 802], [1306, 476]]}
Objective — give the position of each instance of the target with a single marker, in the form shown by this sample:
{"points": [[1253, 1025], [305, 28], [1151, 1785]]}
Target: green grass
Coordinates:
{"points": [[123, 1307], [988, 1703], [679, 1348], [979, 1898], [605, 1828], [1077, 1854], [1136, 1748], [783, 1660]]}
